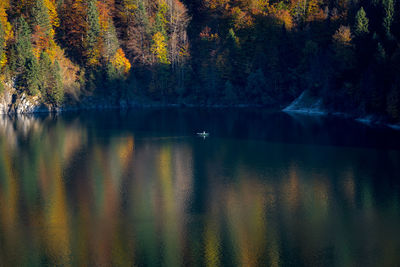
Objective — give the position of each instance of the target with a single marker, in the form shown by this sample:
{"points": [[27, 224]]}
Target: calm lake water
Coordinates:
{"points": [[139, 188]]}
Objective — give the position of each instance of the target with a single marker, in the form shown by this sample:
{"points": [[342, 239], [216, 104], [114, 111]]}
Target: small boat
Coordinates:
{"points": [[203, 134]]}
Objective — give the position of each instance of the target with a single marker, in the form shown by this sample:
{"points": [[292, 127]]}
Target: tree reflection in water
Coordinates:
{"points": [[121, 189]]}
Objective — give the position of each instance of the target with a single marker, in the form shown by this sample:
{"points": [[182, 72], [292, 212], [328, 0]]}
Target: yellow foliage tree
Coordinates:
{"points": [[241, 19], [93, 56], [120, 62], [313, 8], [216, 4], [3, 60], [4, 20], [285, 17], [7, 30], [52, 10], [104, 16], [343, 36], [43, 39], [159, 48]]}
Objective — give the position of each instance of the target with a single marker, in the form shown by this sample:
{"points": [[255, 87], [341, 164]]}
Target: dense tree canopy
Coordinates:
{"points": [[262, 52]]}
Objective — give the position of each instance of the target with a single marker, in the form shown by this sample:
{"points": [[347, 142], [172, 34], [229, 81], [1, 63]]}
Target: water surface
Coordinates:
{"points": [[138, 188]]}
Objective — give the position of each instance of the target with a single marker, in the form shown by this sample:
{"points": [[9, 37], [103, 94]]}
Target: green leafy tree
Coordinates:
{"points": [[362, 22]]}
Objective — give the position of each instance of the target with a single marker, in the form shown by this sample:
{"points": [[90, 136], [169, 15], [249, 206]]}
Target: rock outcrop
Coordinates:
{"points": [[306, 103], [11, 103]]}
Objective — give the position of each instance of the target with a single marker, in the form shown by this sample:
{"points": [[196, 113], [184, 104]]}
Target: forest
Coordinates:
{"points": [[204, 52]]}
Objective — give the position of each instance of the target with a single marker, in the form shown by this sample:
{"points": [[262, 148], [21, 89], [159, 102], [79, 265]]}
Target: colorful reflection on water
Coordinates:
{"points": [[139, 189]]}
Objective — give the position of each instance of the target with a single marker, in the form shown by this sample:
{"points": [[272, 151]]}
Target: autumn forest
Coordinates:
{"points": [[204, 52]]}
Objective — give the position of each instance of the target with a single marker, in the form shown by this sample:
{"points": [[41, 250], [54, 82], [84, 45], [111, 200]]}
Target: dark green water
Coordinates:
{"points": [[139, 188]]}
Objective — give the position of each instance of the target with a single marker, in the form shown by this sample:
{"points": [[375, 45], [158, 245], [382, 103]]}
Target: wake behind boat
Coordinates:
{"points": [[203, 134]]}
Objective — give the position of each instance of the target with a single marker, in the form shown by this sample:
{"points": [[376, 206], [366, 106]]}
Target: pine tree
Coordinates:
{"points": [[57, 91], [30, 77], [92, 35], [51, 85], [160, 19], [361, 26], [388, 6], [380, 54], [44, 69], [22, 48], [229, 93], [375, 2], [41, 16], [256, 84]]}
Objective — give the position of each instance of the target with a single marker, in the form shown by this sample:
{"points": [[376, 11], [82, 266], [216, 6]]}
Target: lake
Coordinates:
{"points": [[139, 188]]}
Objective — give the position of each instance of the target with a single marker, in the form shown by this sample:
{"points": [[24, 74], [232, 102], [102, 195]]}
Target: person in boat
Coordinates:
{"points": [[203, 133]]}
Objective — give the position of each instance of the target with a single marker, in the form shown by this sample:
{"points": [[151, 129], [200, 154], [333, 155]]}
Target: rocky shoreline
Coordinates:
{"points": [[11, 104], [308, 105]]}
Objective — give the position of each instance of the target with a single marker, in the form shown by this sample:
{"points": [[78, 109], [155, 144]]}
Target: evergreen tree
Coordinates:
{"points": [[41, 16], [380, 54], [45, 71], [393, 103], [375, 2], [51, 85], [361, 26], [112, 77], [160, 18], [92, 35], [229, 93], [22, 48], [388, 6], [57, 90], [256, 84], [31, 76]]}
